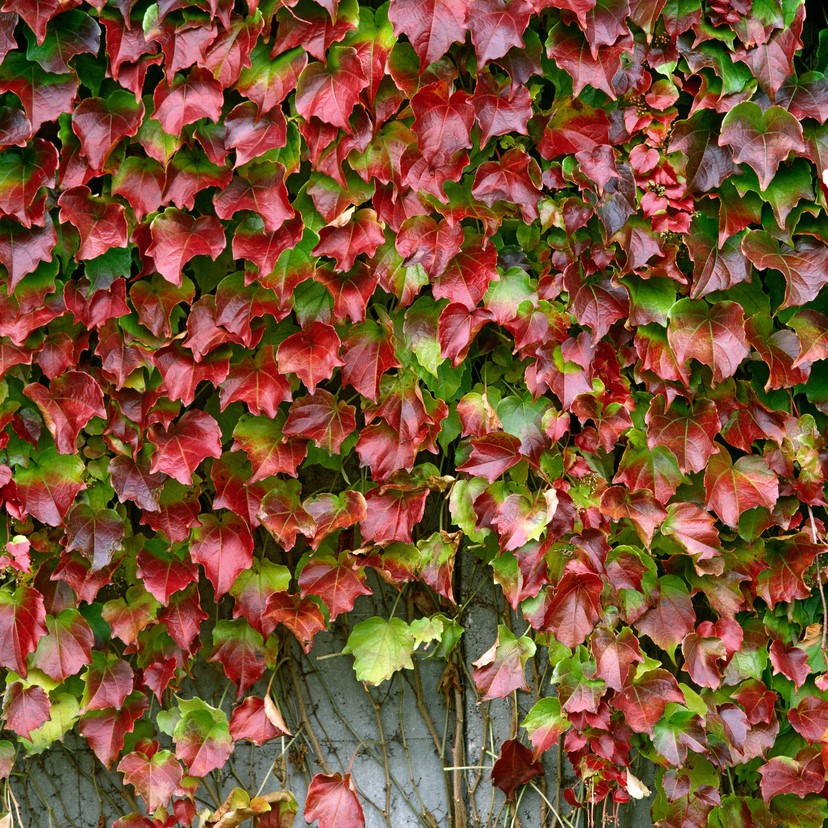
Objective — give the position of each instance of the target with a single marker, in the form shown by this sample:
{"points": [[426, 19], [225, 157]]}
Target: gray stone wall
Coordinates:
{"points": [[400, 737]]}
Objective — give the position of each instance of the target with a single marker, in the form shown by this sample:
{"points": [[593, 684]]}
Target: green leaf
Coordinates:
{"points": [[380, 648]]}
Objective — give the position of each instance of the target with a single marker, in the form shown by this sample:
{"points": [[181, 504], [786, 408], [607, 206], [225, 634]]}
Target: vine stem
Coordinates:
{"points": [[824, 642]]}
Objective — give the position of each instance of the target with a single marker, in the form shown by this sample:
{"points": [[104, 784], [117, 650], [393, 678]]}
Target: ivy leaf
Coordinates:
{"points": [[500, 670], [224, 547], [155, 774], [791, 662], [25, 708], [442, 122], [380, 648], [803, 266], [800, 776], [714, 268], [178, 237], [260, 190], [706, 164], [761, 139], [283, 514], [23, 249], [97, 535], [810, 719], [257, 720], [301, 616], [392, 514], [431, 26], [241, 652], [337, 582], [101, 223], [545, 724], [575, 608], [688, 431], [514, 179], [733, 488], [102, 123], [48, 486], [105, 730], [492, 455], [251, 591], [671, 618], [331, 92], [66, 647], [187, 99], [108, 680], [333, 801], [45, 96], [183, 445], [615, 656], [514, 767], [163, 573], [714, 335], [67, 406], [362, 234], [312, 354], [643, 701], [22, 625]]}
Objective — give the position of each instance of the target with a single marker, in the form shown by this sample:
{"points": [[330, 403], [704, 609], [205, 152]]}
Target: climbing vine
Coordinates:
{"points": [[304, 300]]}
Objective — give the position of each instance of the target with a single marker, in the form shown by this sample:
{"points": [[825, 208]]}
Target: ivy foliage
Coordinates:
{"points": [[297, 290]]}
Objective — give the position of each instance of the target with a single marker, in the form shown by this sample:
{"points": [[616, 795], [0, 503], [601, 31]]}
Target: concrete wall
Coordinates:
{"points": [[67, 787]]}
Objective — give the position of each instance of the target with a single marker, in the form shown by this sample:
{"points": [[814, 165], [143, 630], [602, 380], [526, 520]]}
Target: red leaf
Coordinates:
{"points": [[183, 617], [575, 608], [761, 139], [423, 241], [67, 646], [224, 548], [257, 720], [109, 680], [97, 535], [791, 662], [785, 775], [468, 275], [615, 656], [344, 242], [101, 124], [101, 223], [181, 447], [733, 488], [640, 507], [154, 774], [321, 417], [331, 92], [804, 266], [442, 122], [141, 182], [688, 431], [514, 179], [392, 514], [712, 334], [515, 766], [25, 708], [240, 651], [67, 406], [22, 249], [643, 701], [367, 353], [283, 514], [177, 237], [430, 25], [190, 97], [497, 26], [337, 582], [250, 135], [301, 616], [333, 801], [260, 190], [312, 354], [163, 573], [499, 672], [672, 617], [22, 617], [810, 719], [105, 730], [257, 383]]}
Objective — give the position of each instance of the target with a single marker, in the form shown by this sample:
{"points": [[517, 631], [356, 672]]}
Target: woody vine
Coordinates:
{"points": [[306, 301]]}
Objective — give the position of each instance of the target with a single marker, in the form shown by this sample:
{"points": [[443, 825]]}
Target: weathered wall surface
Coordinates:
{"points": [[400, 737]]}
